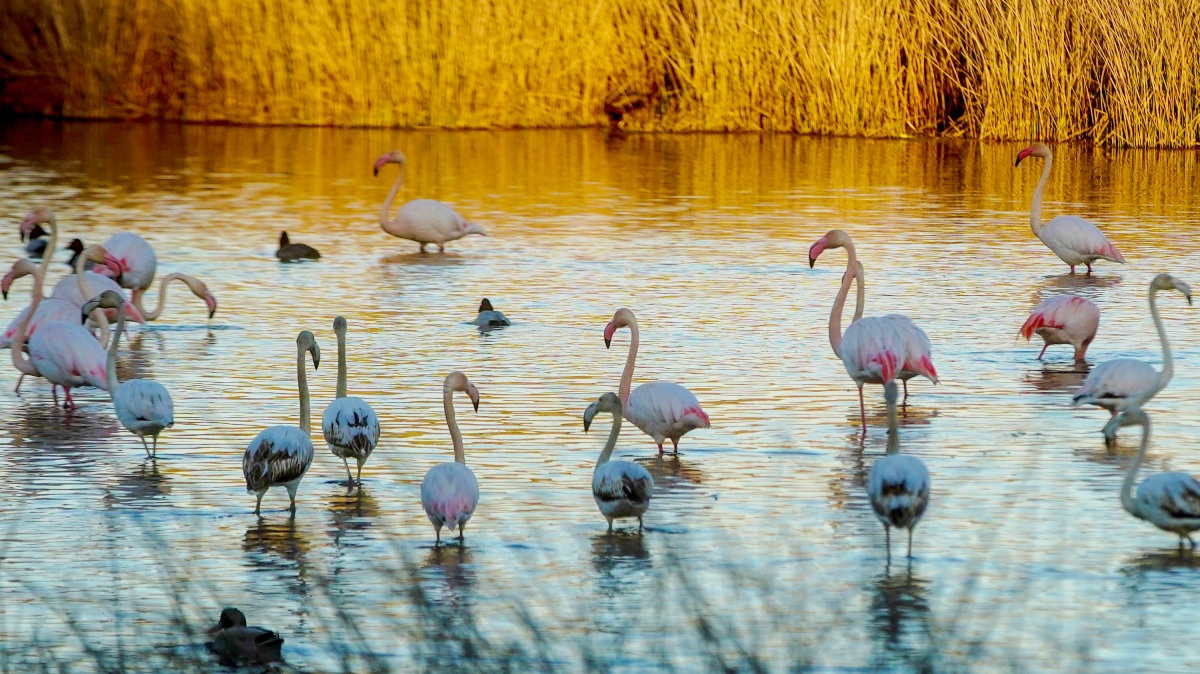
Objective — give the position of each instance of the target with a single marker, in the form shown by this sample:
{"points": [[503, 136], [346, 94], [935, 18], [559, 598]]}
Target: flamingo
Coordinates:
{"points": [[1169, 501], [421, 220], [136, 261], [621, 488], [898, 486], [1073, 239], [194, 284], [1064, 319], [1127, 382], [143, 406], [489, 317], [66, 354], [294, 252], [350, 426], [48, 309], [449, 492], [874, 350], [281, 455], [662, 409]]}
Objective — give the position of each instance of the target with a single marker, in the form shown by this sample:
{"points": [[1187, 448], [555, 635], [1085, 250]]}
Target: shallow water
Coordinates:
{"points": [[1025, 559]]}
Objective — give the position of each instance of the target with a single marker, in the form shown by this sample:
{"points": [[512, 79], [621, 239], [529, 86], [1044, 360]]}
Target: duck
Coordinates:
{"points": [[489, 317], [36, 246], [76, 247], [292, 252], [234, 642]]}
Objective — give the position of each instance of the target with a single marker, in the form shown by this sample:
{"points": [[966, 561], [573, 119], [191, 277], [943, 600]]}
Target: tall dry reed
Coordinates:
{"points": [[1119, 72]]}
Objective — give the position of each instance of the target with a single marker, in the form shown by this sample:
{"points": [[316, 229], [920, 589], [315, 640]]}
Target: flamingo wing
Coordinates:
{"points": [[48, 311], [137, 258], [449, 494], [68, 355], [144, 405], [873, 350], [898, 488], [918, 351], [664, 404], [276, 455], [1116, 381], [622, 481], [1176, 494], [351, 423], [1073, 234], [1071, 313]]}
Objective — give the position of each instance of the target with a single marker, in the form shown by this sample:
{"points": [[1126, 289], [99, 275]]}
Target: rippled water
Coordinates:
{"points": [[1025, 559]]}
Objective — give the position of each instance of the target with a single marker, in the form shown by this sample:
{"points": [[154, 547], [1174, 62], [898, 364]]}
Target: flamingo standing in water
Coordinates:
{"points": [[350, 425], [621, 488], [421, 220], [1169, 501], [1122, 383], [1073, 239], [898, 486], [84, 285], [143, 406], [194, 284], [1064, 319], [48, 309], [662, 409], [280, 455], [873, 350], [450, 492]]}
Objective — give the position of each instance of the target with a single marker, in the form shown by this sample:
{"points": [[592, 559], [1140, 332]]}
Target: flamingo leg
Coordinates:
{"points": [[639, 524], [887, 541], [19, 380], [862, 409], [461, 533], [70, 404], [1072, 270], [675, 444], [910, 532], [1043, 351], [358, 480], [154, 448], [610, 525], [145, 446], [1089, 266], [437, 530], [349, 479], [258, 504], [442, 249], [660, 449], [906, 389]]}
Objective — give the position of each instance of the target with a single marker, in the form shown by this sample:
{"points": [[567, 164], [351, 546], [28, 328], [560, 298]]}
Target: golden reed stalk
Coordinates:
{"points": [[1119, 72]]}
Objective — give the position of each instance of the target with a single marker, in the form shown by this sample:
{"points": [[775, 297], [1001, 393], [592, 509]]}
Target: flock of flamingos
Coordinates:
{"points": [[62, 338]]}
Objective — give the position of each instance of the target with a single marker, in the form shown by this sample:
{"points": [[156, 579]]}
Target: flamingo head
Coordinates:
{"points": [[340, 325], [200, 290], [1168, 282], [457, 381], [306, 342], [109, 299], [1132, 416], [38, 216], [22, 267], [609, 402], [834, 238], [469, 227], [393, 157], [623, 318], [1035, 150]]}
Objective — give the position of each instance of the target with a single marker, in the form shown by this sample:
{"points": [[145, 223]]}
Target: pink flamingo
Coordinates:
{"points": [[873, 350], [449, 491], [1065, 319], [194, 284], [135, 259], [421, 220], [662, 409], [86, 285], [1073, 239]]}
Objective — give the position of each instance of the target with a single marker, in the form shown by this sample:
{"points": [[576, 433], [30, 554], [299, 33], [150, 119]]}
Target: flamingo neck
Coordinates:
{"points": [[139, 293], [341, 382], [839, 304], [111, 367], [387, 203], [302, 384], [860, 293], [51, 247], [627, 375], [1168, 370], [893, 446], [1035, 212], [1127, 486], [20, 360], [83, 290], [611, 444], [455, 436]]}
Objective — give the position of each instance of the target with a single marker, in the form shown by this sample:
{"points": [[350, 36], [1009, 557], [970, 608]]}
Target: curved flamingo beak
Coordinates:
{"points": [[473, 394], [379, 163], [1022, 155], [26, 227], [6, 283], [815, 251], [609, 330], [212, 305]]}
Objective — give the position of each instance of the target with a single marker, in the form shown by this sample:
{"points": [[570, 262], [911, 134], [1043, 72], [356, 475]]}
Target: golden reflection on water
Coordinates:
{"points": [[705, 237]]}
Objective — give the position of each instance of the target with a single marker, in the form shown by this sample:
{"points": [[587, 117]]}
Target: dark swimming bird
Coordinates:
{"points": [[291, 252], [234, 642], [76, 247], [37, 245], [489, 317]]}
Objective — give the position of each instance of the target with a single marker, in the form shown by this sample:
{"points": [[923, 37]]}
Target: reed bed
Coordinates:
{"points": [[1117, 72]]}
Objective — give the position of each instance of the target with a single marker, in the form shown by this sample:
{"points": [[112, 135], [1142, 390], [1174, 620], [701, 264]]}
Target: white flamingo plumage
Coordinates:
{"points": [[83, 285], [350, 426], [621, 488], [661, 409], [1073, 239], [66, 354], [281, 455], [194, 284], [135, 259], [143, 406], [1169, 501], [422, 220], [1119, 384], [874, 350], [898, 485], [1064, 319], [450, 492]]}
